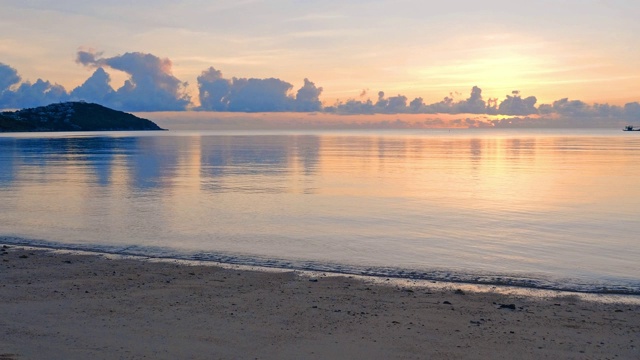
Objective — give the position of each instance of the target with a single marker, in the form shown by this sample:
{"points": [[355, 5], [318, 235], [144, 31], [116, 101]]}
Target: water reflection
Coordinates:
{"points": [[156, 161], [496, 167], [152, 161], [7, 156], [496, 203]]}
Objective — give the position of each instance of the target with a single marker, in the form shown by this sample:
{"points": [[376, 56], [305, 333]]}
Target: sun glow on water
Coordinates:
{"points": [[529, 205]]}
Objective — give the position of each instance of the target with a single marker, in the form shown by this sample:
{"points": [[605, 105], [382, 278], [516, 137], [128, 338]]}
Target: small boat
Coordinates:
{"points": [[631, 128]]}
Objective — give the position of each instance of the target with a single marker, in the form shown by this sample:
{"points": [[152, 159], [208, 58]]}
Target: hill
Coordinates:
{"points": [[72, 116]]}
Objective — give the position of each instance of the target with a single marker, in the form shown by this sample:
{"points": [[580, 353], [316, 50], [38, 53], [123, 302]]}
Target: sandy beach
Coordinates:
{"points": [[69, 306]]}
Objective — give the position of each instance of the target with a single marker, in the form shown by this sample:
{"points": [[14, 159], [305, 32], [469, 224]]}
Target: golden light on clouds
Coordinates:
{"points": [[582, 50]]}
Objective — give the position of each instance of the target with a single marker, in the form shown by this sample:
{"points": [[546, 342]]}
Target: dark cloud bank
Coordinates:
{"points": [[151, 86]]}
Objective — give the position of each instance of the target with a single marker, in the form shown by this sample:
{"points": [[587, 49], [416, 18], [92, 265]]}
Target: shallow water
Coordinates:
{"points": [[547, 209]]}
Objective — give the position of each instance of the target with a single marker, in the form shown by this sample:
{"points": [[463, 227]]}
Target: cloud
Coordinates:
{"points": [[259, 95], [398, 105], [213, 90], [8, 76], [513, 111], [151, 86], [606, 110], [308, 97], [352, 106], [416, 105], [88, 57], [474, 104], [579, 109], [566, 107], [95, 89], [632, 111], [391, 105], [27, 94], [446, 106], [515, 105], [32, 95], [565, 113], [254, 95]]}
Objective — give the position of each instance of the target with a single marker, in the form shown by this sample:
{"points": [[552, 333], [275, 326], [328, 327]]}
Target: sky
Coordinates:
{"points": [[322, 54]]}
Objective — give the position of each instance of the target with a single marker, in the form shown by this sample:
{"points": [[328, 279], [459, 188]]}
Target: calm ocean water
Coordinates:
{"points": [[550, 209]]}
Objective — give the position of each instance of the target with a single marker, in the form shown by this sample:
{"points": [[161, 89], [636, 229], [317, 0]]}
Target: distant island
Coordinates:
{"points": [[72, 116]]}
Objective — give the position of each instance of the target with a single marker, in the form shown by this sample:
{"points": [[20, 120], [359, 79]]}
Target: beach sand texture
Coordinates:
{"points": [[68, 306]]}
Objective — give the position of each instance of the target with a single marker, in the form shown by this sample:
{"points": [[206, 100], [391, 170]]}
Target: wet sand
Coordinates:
{"points": [[68, 306]]}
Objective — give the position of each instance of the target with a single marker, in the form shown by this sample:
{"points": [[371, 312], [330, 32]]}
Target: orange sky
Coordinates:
{"points": [[577, 49]]}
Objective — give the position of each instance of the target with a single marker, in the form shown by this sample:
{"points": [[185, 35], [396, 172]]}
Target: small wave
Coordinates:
{"points": [[614, 287]]}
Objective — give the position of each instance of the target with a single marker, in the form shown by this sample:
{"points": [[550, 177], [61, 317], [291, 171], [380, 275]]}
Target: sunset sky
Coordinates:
{"points": [[586, 50]]}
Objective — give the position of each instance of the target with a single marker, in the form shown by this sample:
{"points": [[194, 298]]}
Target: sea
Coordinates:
{"points": [[551, 209]]}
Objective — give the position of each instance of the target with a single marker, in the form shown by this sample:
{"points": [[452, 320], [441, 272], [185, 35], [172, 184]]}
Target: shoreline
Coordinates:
{"points": [[86, 305], [516, 290], [472, 281]]}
